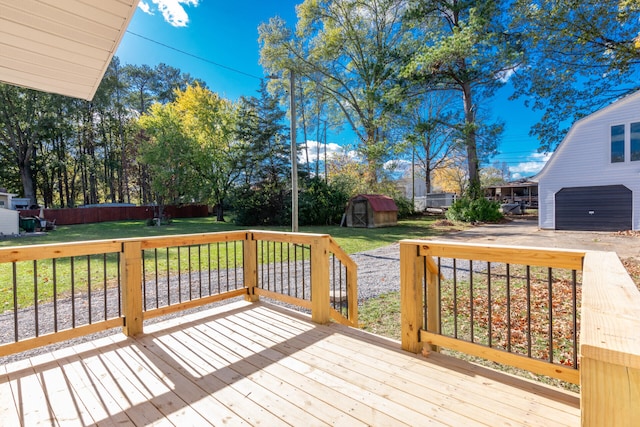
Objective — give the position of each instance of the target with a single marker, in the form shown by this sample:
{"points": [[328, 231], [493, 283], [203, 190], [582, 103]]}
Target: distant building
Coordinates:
{"points": [[6, 199], [523, 192]]}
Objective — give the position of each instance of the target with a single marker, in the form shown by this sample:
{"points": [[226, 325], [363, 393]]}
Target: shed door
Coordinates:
{"points": [[601, 208], [360, 213]]}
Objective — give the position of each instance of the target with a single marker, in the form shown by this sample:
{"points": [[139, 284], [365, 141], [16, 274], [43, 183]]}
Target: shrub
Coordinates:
{"points": [[320, 203], [405, 207], [267, 205], [467, 209]]}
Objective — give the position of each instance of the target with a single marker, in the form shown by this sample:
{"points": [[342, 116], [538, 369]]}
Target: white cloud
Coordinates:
{"points": [[530, 167], [172, 11], [313, 146], [144, 6]]}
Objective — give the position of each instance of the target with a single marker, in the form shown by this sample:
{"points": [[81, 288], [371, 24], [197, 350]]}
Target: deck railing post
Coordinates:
{"points": [[609, 345], [320, 302], [131, 273], [250, 265], [411, 276]]}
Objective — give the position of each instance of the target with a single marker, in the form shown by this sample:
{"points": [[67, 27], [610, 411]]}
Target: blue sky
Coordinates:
{"points": [[220, 38]]}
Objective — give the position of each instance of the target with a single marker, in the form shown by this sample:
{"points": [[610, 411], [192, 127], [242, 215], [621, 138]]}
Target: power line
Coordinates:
{"points": [[217, 64]]}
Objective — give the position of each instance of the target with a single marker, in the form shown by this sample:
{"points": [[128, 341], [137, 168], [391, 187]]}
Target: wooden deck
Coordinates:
{"points": [[258, 364]]}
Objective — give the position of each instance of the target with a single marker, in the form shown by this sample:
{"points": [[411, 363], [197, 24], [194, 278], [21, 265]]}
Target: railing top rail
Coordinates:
{"points": [[58, 250], [190, 239], [534, 256], [341, 254], [277, 236]]}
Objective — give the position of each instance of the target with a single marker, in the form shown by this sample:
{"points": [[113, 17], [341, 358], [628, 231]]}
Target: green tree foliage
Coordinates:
{"points": [[263, 194], [321, 203], [60, 151], [210, 120], [580, 56], [465, 48], [169, 153], [350, 50]]}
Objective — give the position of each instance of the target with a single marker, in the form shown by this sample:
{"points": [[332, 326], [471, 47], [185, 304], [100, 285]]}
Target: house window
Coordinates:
{"points": [[617, 144], [635, 141]]}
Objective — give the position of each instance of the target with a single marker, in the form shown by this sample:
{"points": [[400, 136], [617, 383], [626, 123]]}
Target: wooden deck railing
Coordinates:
{"points": [[51, 293], [487, 300]]}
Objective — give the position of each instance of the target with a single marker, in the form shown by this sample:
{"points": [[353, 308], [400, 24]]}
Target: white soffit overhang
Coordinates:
{"points": [[60, 46]]}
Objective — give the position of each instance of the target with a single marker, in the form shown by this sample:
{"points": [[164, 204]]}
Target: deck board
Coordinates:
{"points": [[258, 364]]}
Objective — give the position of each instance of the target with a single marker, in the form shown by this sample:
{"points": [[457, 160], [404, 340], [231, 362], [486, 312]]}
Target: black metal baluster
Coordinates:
{"points": [[35, 297], [439, 294], [471, 296], [73, 293], [200, 270], [104, 284], [119, 284], [218, 262], [209, 265], [550, 286], [179, 277], [281, 269], [489, 303], [528, 311], [155, 265], [508, 307], [189, 272], [235, 264], [89, 287], [226, 251], [455, 300], [168, 280], [55, 295], [15, 301]]}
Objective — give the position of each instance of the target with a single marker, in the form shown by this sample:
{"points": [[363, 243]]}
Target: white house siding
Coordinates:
{"points": [[583, 159], [9, 222]]}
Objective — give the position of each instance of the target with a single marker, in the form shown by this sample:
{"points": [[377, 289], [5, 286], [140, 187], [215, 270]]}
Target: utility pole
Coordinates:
{"points": [[294, 155]]}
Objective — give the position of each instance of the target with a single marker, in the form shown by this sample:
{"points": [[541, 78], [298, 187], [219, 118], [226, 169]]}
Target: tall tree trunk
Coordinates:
{"points": [[470, 140]]}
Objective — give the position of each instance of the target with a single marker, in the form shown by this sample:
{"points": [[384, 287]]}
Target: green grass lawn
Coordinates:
{"points": [[64, 276], [351, 239]]}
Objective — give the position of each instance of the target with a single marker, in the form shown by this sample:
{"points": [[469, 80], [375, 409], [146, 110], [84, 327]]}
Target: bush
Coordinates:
{"points": [[267, 205], [467, 209], [405, 207], [320, 203]]}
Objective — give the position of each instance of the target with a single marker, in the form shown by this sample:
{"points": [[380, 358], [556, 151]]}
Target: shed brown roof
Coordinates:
{"points": [[379, 202]]}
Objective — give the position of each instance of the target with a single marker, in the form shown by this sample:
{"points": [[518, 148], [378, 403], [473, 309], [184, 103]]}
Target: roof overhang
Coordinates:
{"points": [[61, 46]]}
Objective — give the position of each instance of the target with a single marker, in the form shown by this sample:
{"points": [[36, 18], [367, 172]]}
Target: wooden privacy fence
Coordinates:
{"points": [[567, 314], [52, 293], [89, 215]]}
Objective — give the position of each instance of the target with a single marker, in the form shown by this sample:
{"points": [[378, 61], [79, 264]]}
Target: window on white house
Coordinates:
{"points": [[635, 141], [617, 144]]}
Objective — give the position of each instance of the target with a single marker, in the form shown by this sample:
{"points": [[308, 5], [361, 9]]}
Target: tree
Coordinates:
{"points": [[430, 126], [265, 161], [20, 129], [350, 49], [210, 121], [466, 48], [168, 151], [452, 177], [580, 56]]}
